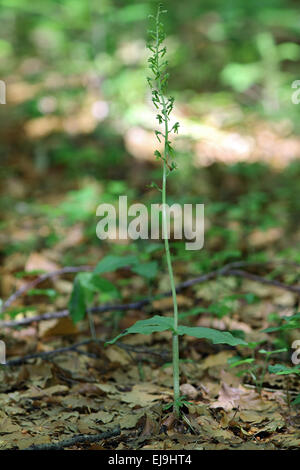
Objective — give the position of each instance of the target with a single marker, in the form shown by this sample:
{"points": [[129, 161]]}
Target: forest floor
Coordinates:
{"points": [[73, 385], [59, 384], [94, 389]]}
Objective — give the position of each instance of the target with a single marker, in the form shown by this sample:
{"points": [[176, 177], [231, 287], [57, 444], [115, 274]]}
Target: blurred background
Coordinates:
{"points": [[77, 128]]}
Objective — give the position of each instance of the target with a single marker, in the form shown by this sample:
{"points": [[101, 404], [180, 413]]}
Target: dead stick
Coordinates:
{"points": [[225, 271], [78, 439], [263, 280], [74, 347], [46, 354], [40, 279], [75, 269], [65, 313]]}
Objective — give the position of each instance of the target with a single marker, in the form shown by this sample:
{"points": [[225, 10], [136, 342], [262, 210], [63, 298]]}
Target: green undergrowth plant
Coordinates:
{"points": [[256, 371], [89, 285], [285, 325], [282, 369], [249, 366]]}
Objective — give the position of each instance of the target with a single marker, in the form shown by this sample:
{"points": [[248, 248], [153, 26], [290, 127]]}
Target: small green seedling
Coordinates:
{"points": [[281, 369], [267, 355], [290, 322], [164, 106], [252, 368]]}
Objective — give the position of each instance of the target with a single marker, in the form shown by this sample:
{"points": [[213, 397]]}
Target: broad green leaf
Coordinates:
{"points": [[146, 327], [84, 288], [147, 270], [94, 283], [99, 284], [77, 303], [112, 263], [216, 336], [85, 280], [159, 323]]}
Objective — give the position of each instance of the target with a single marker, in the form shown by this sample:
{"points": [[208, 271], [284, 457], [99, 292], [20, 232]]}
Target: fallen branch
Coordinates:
{"points": [[40, 279], [78, 439], [75, 347], [227, 270], [262, 280], [65, 313], [46, 354], [77, 269]]}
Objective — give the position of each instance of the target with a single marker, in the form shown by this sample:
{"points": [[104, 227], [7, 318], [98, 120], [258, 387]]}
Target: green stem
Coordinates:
{"points": [[263, 373], [92, 325], [175, 342]]}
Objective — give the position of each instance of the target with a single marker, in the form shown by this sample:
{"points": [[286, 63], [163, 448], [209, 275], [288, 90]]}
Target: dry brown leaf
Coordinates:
{"points": [[231, 397], [189, 391], [39, 262], [57, 327], [117, 355]]}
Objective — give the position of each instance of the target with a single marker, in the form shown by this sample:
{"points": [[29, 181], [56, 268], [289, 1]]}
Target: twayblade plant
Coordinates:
{"points": [[158, 84], [88, 285], [164, 105]]}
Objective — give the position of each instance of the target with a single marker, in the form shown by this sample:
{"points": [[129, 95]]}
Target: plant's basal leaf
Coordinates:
{"points": [[146, 327], [112, 263], [216, 336], [159, 323]]}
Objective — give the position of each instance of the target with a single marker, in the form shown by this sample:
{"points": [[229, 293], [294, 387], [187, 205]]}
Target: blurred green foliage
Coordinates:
{"points": [[250, 49], [220, 54]]}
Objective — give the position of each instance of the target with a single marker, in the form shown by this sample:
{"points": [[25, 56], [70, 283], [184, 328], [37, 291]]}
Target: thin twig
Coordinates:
{"points": [[75, 269], [46, 354], [225, 271], [78, 439], [75, 347], [267, 389], [65, 313], [40, 279], [262, 280]]}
